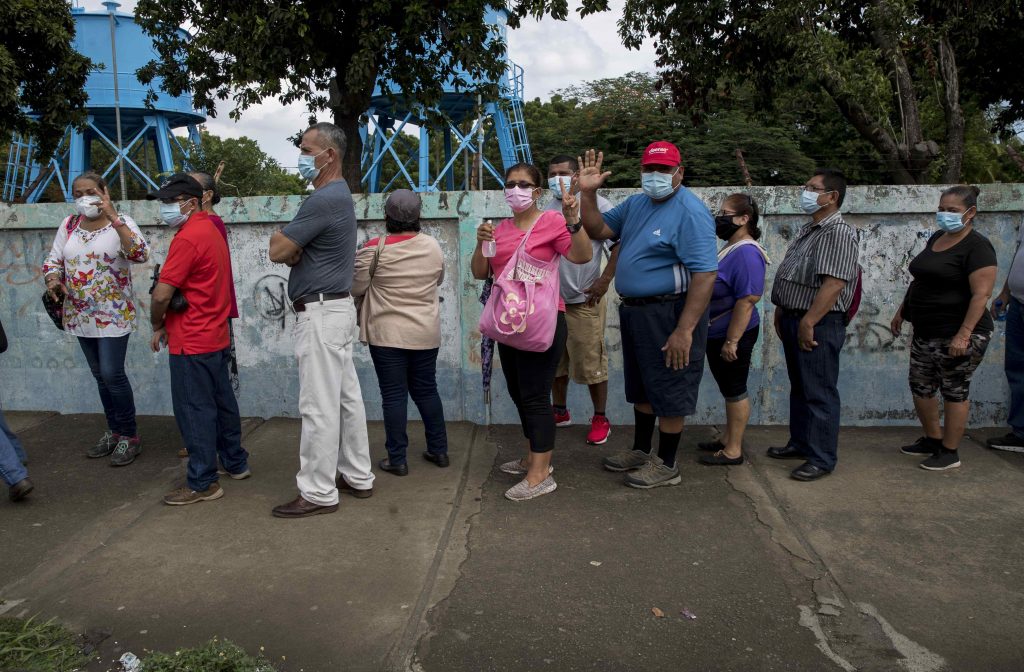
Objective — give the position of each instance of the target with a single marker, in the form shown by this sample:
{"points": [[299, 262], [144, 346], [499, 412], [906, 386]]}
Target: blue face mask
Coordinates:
{"points": [[950, 222], [657, 185], [307, 167], [171, 215], [809, 202], [553, 185]]}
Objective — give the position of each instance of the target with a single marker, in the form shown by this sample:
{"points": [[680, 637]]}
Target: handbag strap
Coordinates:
{"points": [[376, 255]]}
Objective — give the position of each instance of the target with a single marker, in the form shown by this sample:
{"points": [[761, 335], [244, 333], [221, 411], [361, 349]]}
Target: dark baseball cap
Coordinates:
{"points": [[179, 184], [403, 205]]}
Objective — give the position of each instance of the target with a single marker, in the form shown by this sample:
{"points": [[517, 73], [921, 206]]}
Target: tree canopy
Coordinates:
{"points": [[330, 54], [42, 77], [902, 73], [248, 170]]}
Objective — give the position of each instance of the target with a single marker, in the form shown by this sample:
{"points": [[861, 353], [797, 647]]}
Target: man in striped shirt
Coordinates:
{"points": [[813, 289]]}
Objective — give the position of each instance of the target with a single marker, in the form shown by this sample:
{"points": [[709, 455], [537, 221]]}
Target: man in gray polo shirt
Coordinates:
{"points": [[583, 287], [320, 245], [1012, 302]]}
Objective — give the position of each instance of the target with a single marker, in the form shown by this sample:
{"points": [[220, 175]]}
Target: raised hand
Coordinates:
{"points": [[590, 177], [570, 203], [106, 207]]}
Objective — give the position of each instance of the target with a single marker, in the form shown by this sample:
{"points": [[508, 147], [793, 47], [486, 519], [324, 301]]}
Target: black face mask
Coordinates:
{"points": [[724, 227]]}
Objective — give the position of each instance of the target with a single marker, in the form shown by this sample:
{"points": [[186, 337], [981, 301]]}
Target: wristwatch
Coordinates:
{"points": [[574, 228]]}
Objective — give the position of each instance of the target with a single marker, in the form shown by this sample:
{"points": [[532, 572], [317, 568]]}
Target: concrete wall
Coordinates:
{"points": [[44, 370]]}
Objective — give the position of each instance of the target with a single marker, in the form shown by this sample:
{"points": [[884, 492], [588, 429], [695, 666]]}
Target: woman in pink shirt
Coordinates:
{"points": [[529, 375]]}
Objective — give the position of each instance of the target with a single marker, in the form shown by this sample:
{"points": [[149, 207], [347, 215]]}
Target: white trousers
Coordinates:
{"points": [[334, 438]]}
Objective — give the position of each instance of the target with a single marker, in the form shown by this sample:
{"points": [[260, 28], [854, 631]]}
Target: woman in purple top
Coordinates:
{"points": [[734, 321]]}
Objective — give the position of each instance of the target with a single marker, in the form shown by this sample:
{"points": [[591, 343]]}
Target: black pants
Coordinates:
{"points": [[402, 374], [732, 376], [529, 376]]}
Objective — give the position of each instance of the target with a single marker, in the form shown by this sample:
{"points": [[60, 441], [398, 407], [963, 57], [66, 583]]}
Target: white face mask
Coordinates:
{"points": [[88, 206], [556, 189]]}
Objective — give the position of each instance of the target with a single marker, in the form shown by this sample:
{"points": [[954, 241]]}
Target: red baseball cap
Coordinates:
{"points": [[662, 153]]}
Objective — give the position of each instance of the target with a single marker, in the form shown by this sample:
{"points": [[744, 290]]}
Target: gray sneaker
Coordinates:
{"points": [[653, 474], [522, 491], [103, 447], [516, 468], [627, 460], [125, 451]]}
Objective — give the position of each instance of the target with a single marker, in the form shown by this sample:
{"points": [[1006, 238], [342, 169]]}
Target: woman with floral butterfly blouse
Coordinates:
{"points": [[89, 270]]}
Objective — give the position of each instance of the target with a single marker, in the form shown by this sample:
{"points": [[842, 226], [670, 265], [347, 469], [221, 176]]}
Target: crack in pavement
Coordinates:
{"points": [[854, 639]]}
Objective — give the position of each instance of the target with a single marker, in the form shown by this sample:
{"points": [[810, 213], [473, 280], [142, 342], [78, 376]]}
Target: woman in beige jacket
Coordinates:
{"points": [[397, 278]]}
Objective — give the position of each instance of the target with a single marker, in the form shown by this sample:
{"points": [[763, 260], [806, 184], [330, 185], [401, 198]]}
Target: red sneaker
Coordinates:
{"points": [[600, 428], [562, 418]]}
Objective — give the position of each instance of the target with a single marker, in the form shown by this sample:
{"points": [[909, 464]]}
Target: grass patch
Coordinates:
{"points": [[217, 655], [30, 645]]}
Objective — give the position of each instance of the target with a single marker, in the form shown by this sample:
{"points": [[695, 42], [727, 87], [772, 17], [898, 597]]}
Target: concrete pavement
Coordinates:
{"points": [[881, 566]]}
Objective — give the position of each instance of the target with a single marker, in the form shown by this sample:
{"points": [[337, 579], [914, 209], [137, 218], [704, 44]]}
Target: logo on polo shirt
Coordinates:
{"points": [[657, 232]]}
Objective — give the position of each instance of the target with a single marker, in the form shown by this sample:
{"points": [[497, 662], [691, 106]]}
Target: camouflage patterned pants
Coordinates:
{"points": [[932, 368]]}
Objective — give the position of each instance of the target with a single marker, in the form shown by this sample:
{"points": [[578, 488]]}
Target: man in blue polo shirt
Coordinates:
{"points": [[667, 266]]}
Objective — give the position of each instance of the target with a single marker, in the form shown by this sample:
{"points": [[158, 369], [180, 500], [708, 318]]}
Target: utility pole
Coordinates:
{"points": [[111, 7]]}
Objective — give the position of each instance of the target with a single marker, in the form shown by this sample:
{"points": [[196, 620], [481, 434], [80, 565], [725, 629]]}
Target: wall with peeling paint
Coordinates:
{"points": [[44, 370]]}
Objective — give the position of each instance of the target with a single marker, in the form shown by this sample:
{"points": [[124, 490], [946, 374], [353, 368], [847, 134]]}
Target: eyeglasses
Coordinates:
{"points": [[820, 190], [521, 184]]}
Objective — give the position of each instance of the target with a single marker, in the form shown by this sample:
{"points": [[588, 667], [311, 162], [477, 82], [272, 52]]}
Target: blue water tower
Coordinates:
{"points": [[117, 116], [387, 142]]}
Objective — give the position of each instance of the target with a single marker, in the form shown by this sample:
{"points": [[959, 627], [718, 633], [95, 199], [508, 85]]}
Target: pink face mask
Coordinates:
{"points": [[519, 199]]}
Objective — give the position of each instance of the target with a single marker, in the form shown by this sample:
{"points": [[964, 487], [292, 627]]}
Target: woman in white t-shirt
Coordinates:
{"points": [[89, 269]]}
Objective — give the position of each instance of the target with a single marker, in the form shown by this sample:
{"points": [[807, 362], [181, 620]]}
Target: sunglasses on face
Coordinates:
{"points": [[521, 184]]}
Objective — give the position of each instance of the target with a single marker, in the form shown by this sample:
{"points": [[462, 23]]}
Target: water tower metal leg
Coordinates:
{"points": [[164, 157], [424, 181], [449, 174], [77, 154], [383, 123]]}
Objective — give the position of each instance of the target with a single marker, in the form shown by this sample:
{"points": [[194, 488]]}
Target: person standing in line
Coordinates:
{"points": [[735, 322], [1010, 303], [813, 289], [545, 236], [947, 303], [197, 341], [89, 270], [12, 455], [320, 247], [211, 197], [400, 319], [665, 276], [583, 287]]}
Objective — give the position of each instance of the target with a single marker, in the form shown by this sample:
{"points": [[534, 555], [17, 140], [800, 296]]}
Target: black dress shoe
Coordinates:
{"points": [[786, 452], [396, 469], [720, 459], [20, 490], [344, 487], [300, 507], [440, 460], [808, 472]]}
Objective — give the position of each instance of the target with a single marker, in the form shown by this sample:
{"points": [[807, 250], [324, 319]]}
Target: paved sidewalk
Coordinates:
{"points": [[881, 566]]}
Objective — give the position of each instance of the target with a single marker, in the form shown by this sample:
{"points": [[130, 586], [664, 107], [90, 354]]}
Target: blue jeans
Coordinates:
{"points": [[402, 374], [814, 391], [207, 415], [12, 455], [1014, 365], [106, 361]]}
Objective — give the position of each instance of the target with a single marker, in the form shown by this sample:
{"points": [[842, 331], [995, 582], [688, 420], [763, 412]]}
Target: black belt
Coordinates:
{"points": [[299, 304], [647, 300], [792, 312]]}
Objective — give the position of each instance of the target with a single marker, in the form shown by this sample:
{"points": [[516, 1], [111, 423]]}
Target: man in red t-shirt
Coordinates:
{"points": [[198, 266]]}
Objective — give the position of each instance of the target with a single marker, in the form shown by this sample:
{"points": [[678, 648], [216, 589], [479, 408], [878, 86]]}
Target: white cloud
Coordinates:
{"points": [[554, 55]]}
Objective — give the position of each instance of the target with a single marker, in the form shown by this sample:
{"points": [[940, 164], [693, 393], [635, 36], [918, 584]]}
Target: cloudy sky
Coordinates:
{"points": [[596, 52]]}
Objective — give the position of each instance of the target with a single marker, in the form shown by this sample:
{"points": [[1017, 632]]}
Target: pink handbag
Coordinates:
{"points": [[522, 311]]}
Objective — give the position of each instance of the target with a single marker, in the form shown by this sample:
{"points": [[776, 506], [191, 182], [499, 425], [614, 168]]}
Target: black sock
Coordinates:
{"points": [[949, 450], [561, 408], [599, 413], [668, 444], [643, 430]]}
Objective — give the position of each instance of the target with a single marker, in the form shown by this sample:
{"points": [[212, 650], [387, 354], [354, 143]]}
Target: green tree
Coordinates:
{"points": [[42, 77], [884, 65], [248, 170], [622, 115], [329, 55]]}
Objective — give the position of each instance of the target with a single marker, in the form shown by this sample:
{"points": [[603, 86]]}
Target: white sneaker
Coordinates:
{"points": [[522, 490]]}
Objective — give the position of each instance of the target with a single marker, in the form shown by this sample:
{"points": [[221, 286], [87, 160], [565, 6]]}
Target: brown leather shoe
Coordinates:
{"points": [[344, 487], [20, 490], [300, 508]]}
